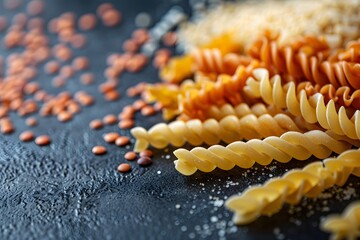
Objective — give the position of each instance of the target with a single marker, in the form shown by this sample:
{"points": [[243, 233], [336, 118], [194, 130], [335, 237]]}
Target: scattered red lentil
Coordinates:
{"points": [[146, 153], [111, 17], [122, 141], [35, 7], [130, 45], [66, 71], [64, 116], [52, 67], [42, 140], [103, 8], [148, 110], [124, 167], [139, 104], [78, 40], [26, 136], [87, 78], [169, 39], [126, 124], [111, 137], [112, 95], [80, 63], [144, 161], [110, 119], [140, 35], [87, 22], [6, 126], [130, 156], [96, 124], [99, 150]]}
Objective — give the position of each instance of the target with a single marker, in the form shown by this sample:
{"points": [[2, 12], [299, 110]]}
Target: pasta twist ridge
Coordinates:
{"points": [[241, 110], [298, 59], [308, 58], [293, 185], [228, 129], [346, 225], [212, 61], [226, 89], [344, 95], [245, 154], [313, 109]]}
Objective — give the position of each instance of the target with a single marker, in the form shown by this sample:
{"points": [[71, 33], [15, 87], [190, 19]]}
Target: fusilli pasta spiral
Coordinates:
{"points": [[212, 61], [312, 109], [246, 154], [227, 89], [308, 58], [241, 110], [228, 129], [346, 225], [291, 187], [343, 96]]}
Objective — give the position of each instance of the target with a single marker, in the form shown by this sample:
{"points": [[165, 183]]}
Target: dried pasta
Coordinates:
{"points": [[297, 59], [346, 225], [312, 109], [212, 61], [344, 95], [293, 185], [241, 110], [228, 129], [227, 89], [245, 154]]}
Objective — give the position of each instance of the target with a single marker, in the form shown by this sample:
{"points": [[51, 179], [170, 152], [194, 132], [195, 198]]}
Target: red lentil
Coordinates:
{"points": [[42, 140], [124, 167], [87, 78], [26, 136], [110, 119], [146, 153], [148, 111], [130, 156], [96, 124], [122, 141], [99, 150], [111, 137], [126, 124], [144, 161], [87, 22]]}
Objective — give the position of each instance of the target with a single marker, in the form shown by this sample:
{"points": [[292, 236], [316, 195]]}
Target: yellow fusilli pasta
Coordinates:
{"points": [[312, 109], [346, 225], [291, 187], [241, 110], [228, 129], [245, 154]]}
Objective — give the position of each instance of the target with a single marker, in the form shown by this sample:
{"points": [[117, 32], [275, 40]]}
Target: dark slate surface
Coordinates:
{"points": [[64, 192]]}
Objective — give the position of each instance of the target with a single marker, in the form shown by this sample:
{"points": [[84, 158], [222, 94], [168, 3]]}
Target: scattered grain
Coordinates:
{"points": [[111, 137], [126, 124], [110, 119], [130, 156], [124, 167], [87, 22], [146, 153], [64, 116], [99, 150], [144, 161], [148, 110], [96, 124], [42, 140], [122, 141], [87, 78], [26, 136]]}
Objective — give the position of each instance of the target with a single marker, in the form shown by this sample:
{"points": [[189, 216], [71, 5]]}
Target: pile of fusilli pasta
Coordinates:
{"points": [[268, 99]]}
